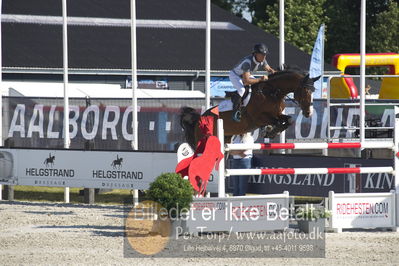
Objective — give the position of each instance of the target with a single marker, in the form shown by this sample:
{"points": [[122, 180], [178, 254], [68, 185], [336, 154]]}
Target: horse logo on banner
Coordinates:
{"points": [[49, 161], [117, 163]]}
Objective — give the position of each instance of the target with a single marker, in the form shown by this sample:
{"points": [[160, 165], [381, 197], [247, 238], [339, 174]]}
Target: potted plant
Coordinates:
{"points": [[174, 194], [309, 219]]}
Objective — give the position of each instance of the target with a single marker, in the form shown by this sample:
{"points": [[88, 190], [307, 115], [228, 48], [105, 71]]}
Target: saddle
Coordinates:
{"points": [[228, 94]]}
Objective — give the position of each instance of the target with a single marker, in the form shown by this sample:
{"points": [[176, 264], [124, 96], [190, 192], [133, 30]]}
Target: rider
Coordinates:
{"points": [[240, 76]]}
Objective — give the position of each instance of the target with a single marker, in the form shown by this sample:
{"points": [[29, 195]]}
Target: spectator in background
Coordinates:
{"points": [[242, 159]]}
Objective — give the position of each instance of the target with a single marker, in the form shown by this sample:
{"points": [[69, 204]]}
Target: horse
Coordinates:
{"points": [[264, 109]]}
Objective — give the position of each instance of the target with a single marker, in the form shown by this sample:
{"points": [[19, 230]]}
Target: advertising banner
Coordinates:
{"points": [[315, 127], [239, 214], [106, 123], [89, 169], [148, 83], [94, 123], [363, 210]]}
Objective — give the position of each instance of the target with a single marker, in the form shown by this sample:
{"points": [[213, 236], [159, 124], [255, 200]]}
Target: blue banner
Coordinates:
{"points": [[219, 85], [316, 62]]}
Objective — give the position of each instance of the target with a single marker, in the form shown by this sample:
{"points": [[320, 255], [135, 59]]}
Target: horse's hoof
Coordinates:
{"points": [[267, 131], [270, 132], [268, 128], [236, 116]]}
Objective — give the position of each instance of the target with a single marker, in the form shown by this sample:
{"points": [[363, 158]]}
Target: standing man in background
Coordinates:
{"points": [[241, 160]]}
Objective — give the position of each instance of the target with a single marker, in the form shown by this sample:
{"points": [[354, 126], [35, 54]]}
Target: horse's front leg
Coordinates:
{"points": [[281, 124], [268, 125], [284, 121], [270, 131], [276, 126]]}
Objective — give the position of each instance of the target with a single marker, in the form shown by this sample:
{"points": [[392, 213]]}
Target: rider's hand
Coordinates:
{"points": [[263, 78]]}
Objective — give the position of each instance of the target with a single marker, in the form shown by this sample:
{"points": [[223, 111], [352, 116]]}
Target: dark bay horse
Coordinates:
{"points": [[264, 109]]}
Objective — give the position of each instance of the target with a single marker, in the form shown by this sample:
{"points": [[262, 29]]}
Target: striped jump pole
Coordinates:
{"points": [[303, 171], [396, 162], [311, 146]]}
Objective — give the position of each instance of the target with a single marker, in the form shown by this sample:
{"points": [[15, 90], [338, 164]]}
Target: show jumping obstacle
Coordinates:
{"points": [[304, 146]]}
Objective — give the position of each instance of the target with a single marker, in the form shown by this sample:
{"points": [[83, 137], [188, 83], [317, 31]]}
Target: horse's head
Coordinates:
{"points": [[303, 95]]}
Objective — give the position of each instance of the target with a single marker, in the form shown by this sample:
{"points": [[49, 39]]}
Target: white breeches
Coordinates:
{"points": [[237, 82]]}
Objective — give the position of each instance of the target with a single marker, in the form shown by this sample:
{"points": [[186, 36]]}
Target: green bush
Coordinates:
{"points": [[172, 192]]}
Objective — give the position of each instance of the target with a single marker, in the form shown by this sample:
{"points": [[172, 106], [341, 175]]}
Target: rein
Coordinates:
{"points": [[292, 100]]}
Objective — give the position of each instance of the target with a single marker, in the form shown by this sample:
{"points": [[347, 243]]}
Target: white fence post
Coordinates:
{"points": [[395, 212], [221, 181], [396, 162], [330, 207]]}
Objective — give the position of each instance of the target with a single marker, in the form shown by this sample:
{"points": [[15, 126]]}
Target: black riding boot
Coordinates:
{"points": [[236, 100]]}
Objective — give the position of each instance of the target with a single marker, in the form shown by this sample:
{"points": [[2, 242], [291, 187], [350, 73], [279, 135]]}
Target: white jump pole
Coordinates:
{"points": [[281, 34], [396, 163], [312, 146], [66, 96], [221, 181], [1, 82], [133, 47], [281, 53], [1, 95], [362, 69], [208, 56]]}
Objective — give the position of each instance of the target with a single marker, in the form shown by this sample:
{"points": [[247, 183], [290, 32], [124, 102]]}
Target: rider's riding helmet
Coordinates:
{"points": [[261, 48]]}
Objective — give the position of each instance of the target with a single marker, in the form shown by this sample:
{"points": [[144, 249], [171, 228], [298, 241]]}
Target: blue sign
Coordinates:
{"points": [[219, 85]]}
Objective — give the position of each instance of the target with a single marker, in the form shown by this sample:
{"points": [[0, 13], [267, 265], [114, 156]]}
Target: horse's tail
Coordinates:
{"points": [[188, 120]]}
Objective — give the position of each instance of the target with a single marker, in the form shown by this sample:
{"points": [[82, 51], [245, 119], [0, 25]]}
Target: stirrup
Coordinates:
{"points": [[236, 116]]}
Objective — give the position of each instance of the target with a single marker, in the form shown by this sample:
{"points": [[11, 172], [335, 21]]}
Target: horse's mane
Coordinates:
{"points": [[288, 72], [285, 72]]}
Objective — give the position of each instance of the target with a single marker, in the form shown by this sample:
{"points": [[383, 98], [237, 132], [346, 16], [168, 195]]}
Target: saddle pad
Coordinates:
{"points": [[227, 105]]}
